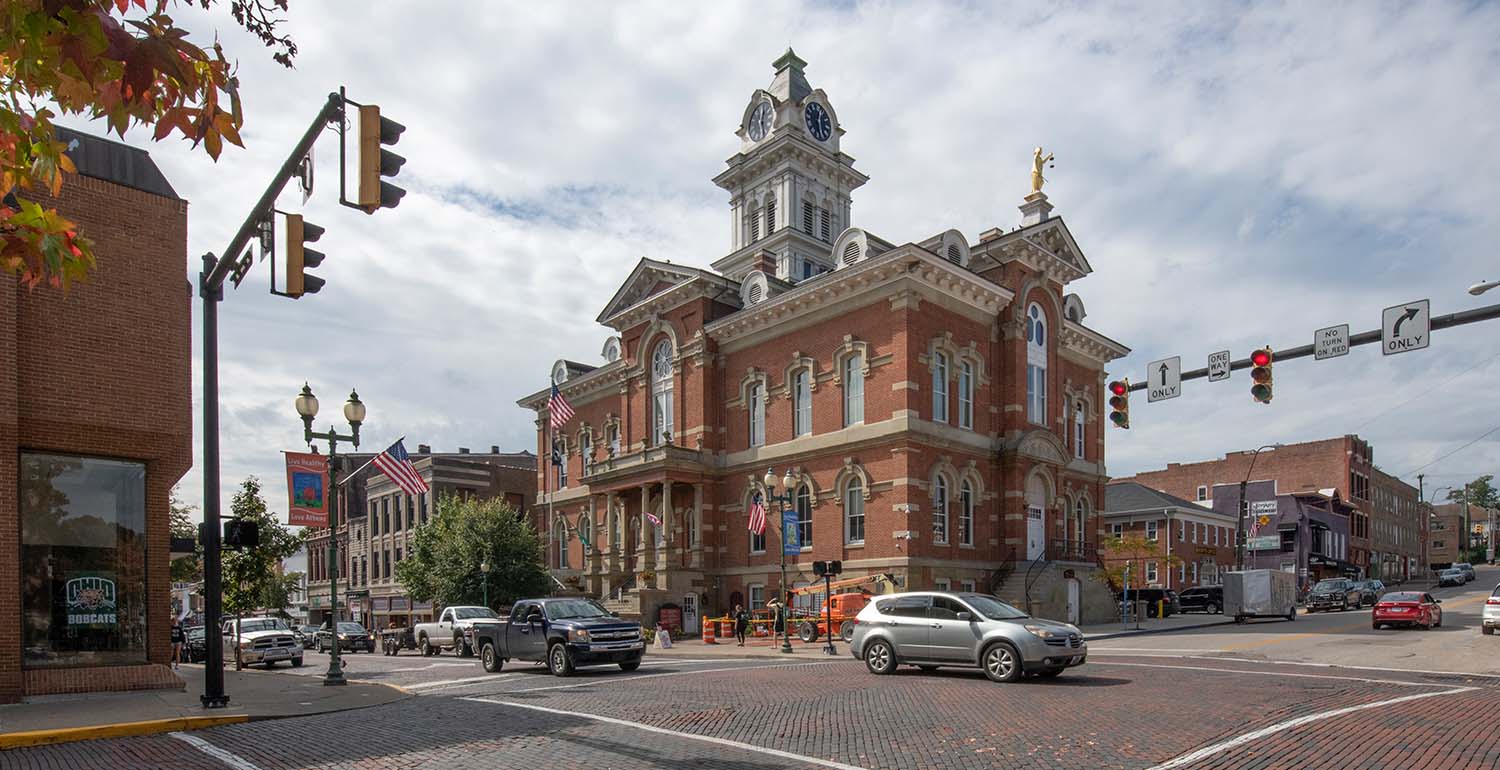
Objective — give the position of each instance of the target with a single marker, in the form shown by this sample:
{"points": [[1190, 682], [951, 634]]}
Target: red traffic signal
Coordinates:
{"points": [[1119, 403], [1262, 361]]}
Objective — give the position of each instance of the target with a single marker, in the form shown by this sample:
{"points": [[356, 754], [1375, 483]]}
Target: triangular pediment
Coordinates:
{"points": [[649, 278], [1047, 245]]}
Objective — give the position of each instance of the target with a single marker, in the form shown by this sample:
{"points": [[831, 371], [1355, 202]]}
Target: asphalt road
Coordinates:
{"points": [[1197, 701]]}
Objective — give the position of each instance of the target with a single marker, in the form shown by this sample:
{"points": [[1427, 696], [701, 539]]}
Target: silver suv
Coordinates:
{"points": [[931, 629]]}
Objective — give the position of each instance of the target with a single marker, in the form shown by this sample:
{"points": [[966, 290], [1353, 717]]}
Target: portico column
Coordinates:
{"points": [[697, 528], [647, 546]]}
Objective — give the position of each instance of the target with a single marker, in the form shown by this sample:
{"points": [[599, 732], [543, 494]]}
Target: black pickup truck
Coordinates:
{"points": [[563, 633]]}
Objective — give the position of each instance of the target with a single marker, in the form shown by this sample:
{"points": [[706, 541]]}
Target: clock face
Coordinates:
{"points": [[818, 123], [760, 121]]}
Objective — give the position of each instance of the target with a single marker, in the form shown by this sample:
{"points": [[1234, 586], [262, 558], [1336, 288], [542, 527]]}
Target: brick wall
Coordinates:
{"points": [[112, 356]]}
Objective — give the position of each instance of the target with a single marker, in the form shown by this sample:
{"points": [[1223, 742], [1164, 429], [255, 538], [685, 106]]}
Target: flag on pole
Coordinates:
{"points": [[757, 515], [582, 538], [655, 521], [394, 463], [559, 408]]}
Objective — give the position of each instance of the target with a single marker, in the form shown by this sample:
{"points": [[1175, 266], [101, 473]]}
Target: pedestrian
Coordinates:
{"points": [[741, 624], [778, 624], [176, 641]]}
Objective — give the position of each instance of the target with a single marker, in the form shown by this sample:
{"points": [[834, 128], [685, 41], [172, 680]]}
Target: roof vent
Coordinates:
{"points": [[954, 255], [756, 293], [463, 450], [851, 253]]}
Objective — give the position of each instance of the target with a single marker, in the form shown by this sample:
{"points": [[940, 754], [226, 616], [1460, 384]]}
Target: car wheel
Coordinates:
{"points": [[424, 647], [808, 632], [489, 658], [880, 657], [1001, 662], [630, 665], [1487, 630], [296, 663], [1374, 626], [1439, 623], [846, 630], [559, 660], [927, 668], [1211, 608], [459, 648]]}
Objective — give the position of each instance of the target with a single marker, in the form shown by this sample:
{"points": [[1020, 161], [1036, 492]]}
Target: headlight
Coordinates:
{"points": [[343, 637], [1042, 631], [579, 635]]}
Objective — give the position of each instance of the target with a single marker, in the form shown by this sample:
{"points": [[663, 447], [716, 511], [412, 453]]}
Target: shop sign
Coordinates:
{"points": [[398, 604], [1265, 543], [307, 485], [1206, 550], [92, 601], [422, 606], [380, 604]]}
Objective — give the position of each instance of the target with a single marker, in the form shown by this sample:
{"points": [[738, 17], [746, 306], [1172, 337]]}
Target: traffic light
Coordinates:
{"points": [[240, 533], [299, 257], [1119, 403], [1261, 360], [375, 161]]}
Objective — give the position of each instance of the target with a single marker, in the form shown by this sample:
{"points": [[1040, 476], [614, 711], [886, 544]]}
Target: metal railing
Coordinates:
{"points": [[1002, 573], [1072, 550]]}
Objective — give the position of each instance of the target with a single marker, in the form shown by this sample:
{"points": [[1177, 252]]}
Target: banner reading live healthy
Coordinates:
{"points": [[307, 488]]}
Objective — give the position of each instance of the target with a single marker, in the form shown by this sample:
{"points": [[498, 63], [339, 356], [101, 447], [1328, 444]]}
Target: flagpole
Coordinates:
{"points": [[348, 476], [551, 458]]}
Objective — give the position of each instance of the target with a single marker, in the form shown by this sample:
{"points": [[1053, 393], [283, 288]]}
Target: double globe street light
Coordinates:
{"points": [[354, 412], [788, 483]]}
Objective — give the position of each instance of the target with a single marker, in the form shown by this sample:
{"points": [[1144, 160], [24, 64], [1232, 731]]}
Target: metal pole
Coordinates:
{"points": [[335, 675], [828, 611], [1239, 533], [786, 619], [213, 588]]}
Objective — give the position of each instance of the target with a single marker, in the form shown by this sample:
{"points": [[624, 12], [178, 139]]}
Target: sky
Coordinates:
{"points": [[1237, 174]]}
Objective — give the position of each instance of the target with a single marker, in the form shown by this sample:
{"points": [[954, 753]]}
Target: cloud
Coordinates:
{"points": [[1238, 175]]}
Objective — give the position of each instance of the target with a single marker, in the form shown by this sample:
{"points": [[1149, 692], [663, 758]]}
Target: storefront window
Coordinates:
{"points": [[83, 561]]}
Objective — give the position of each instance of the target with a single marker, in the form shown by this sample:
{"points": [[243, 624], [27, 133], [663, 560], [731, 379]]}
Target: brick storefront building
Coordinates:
{"points": [[95, 429], [938, 403], [1387, 531], [1195, 543]]}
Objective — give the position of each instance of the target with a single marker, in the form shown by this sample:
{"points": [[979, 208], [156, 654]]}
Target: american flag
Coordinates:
{"points": [[757, 515], [655, 522], [394, 463], [559, 408]]}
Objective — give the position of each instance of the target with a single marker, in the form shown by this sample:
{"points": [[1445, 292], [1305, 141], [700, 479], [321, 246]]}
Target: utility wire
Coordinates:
{"points": [[1454, 452], [1424, 393]]}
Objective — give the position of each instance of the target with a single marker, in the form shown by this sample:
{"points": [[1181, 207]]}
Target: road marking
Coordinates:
{"points": [[663, 674], [1367, 668], [229, 758], [445, 683], [1222, 746], [1096, 650], [663, 731], [1253, 672]]}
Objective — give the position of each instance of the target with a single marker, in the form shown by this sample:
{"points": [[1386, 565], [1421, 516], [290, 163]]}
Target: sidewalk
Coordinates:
{"points": [[1097, 631], [253, 695]]}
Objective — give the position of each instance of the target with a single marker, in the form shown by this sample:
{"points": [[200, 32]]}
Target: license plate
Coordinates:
{"points": [[278, 654], [1401, 609]]}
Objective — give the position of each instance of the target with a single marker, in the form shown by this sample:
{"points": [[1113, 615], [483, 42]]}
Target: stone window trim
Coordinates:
{"points": [[943, 343], [799, 362], [806, 479], [657, 328], [850, 347], [852, 470], [753, 376]]}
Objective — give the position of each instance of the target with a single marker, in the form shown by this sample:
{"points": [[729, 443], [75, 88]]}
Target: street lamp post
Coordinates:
{"points": [[354, 412], [484, 569], [782, 500], [1239, 535]]}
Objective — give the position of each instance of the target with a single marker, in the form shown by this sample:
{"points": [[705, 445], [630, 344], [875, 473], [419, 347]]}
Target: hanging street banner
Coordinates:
{"points": [[791, 536], [307, 489]]}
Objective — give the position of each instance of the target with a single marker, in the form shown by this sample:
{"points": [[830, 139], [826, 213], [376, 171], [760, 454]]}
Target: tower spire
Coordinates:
{"points": [[790, 85]]}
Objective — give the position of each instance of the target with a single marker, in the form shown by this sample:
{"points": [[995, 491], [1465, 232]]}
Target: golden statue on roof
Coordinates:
{"points": [[1037, 161]]}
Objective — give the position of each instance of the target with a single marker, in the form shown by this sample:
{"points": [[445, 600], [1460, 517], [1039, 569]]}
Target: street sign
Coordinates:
{"points": [[1405, 327], [1331, 342], [1263, 508], [1164, 379], [1218, 366], [1265, 543]]}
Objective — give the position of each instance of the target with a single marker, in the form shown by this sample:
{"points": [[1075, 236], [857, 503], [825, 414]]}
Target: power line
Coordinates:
{"points": [[1482, 436], [1424, 393]]}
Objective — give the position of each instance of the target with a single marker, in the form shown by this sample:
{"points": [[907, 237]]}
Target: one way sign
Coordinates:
{"points": [[1164, 379], [1406, 327]]}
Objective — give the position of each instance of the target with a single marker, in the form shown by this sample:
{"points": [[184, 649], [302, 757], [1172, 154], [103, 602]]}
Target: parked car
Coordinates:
{"points": [[1490, 620], [352, 638], [563, 633], [1468, 570], [1158, 601], [195, 644], [1334, 594], [266, 641], [448, 632], [1209, 599], [307, 635], [1370, 591], [932, 629], [1452, 576], [1408, 608]]}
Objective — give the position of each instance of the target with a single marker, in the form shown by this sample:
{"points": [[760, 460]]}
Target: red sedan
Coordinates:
{"points": [[1407, 608]]}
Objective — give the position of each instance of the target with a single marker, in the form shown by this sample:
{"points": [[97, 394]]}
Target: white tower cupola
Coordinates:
{"points": [[789, 184]]}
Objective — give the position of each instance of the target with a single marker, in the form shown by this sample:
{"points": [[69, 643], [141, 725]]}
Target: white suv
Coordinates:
{"points": [[1491, 619]]}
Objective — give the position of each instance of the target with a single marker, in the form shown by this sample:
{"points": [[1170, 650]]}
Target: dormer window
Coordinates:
{"points": [[954, 255]]}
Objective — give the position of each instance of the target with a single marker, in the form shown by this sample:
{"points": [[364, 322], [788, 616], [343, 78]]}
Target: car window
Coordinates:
{"points": [[469, 613], [351, 628], [993, 608], [576, 608], [905, 607], [944, 608], [1497, 591]]}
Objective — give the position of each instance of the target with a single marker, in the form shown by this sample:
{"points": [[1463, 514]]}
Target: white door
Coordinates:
{"points": [[1073, 606], [1036, 534], [689, 613]]}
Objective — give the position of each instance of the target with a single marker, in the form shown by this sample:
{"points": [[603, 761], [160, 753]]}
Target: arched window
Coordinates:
{"points": [[966, 395], [757, 414], [854, 512], [940, 511], [966, 514], [1036, 364], [561, 527], [802, 403], [940, 387], [1078, 428], [586, 532], [804, 516], [661, 393], [586, 452], [854, 389]]}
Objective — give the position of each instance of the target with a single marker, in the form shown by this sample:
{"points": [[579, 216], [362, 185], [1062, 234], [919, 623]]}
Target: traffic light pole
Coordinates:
{"points": [[1486, 313], [211, 290]]}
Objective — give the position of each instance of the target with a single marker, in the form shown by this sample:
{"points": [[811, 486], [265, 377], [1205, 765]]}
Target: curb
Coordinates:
{"points": [[1148, 631], [117, 730]]}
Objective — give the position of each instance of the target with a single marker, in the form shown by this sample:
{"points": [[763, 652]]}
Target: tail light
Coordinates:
{"points": [[1493, 600]]}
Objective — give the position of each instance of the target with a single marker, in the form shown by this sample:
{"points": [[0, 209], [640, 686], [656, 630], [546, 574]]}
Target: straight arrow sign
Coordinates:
{"points": [[1164, 379]]}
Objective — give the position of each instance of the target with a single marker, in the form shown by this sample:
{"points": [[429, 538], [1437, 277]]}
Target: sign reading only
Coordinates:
{"points": [[1164, 379]]}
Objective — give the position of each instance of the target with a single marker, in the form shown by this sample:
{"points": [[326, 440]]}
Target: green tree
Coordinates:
{"points": [[1133, 549], [446, 553], [252, 576], [185, 569], [125, 61], [1480, 492]]}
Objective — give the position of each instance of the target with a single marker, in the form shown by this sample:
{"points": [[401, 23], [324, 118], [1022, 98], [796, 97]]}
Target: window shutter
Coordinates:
{"points": [[771, 215], [851, 252], [954, 255], [807, 217]]}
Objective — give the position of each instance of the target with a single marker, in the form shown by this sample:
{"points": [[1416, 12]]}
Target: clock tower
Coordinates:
{"points": [[789, 184]]}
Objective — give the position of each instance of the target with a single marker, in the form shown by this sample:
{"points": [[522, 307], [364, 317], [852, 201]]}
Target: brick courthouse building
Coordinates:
{"points": [[940, 403], [95, 429]]}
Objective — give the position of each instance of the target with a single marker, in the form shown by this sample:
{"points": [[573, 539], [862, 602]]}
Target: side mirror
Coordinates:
{"points": [[965, 616]]}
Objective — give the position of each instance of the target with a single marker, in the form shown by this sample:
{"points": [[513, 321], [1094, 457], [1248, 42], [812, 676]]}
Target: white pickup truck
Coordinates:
{"points": [[448, 632]]}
